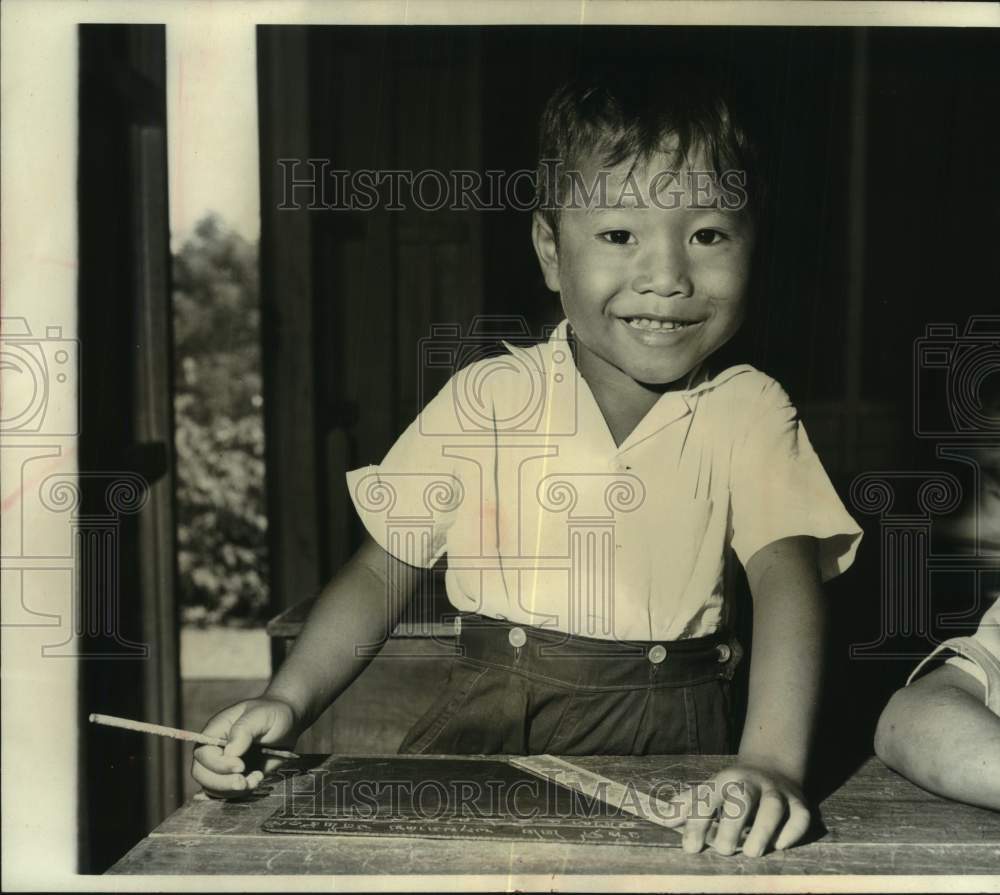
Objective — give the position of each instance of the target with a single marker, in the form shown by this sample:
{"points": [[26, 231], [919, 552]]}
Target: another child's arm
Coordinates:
{"points": [[357, 607], [939, 732], [766, 781]]}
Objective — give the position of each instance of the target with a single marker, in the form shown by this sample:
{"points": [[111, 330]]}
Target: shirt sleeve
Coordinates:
{"points": [[780, 489], [978, 656], [409, 501]]}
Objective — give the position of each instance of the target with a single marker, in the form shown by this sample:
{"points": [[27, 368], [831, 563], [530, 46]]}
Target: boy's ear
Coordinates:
{"points": [[547, 250]]}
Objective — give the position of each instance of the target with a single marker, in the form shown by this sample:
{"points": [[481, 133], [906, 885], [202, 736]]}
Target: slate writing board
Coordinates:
{"points": [[453, 798]]}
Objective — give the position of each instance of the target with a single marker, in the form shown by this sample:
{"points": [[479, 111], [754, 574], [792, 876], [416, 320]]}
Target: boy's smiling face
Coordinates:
{"points": [[651, 288]]}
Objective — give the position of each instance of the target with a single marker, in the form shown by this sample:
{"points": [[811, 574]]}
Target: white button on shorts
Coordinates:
{"points": [[517, 637], [725, 652], [657, 654]]}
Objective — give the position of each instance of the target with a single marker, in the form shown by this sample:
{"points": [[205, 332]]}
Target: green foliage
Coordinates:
{"points": [[222, 548]]}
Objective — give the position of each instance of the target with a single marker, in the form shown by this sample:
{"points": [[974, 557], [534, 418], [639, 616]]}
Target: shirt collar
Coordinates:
{"points": [[670, 407], [706, 378]]}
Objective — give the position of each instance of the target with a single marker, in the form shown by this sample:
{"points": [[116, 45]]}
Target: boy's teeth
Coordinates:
{"points": [[647, 323]]}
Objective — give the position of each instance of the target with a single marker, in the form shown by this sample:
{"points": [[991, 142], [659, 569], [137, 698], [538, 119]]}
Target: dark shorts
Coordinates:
{"points": [[519, 690]]}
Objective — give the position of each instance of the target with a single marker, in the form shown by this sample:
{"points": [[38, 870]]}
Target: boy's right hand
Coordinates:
{"points": [[222, 771]]}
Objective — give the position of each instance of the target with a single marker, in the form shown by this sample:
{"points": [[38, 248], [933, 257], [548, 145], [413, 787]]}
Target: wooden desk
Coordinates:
{"points": [[876, 823]]}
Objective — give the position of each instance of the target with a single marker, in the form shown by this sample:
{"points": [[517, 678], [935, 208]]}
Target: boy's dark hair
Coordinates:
{"points": [[623, 113]]}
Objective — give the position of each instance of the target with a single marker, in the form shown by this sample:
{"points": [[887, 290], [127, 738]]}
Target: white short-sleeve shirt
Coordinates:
{"points": [[511, 469]]}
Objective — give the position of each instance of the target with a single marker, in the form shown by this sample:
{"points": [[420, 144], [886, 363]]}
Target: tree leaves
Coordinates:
{"points": [[219, 429]]}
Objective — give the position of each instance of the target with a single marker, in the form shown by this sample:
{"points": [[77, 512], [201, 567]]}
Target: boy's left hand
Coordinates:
{"points": [[736, 796]]}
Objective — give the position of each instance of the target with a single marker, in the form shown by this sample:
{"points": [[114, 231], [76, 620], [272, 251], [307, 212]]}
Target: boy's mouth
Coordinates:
{"points": [[659, 325]]}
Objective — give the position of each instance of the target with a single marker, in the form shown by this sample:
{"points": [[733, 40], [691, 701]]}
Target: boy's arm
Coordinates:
{"points": [[359, 607], [788, 641], [767, 777], [940, 734]]}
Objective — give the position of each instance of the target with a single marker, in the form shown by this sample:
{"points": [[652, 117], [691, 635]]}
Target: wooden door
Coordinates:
{"points": [[126, 620], [349, 295]]}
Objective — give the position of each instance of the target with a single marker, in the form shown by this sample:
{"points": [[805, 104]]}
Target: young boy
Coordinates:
{"points": [[589, 491]]}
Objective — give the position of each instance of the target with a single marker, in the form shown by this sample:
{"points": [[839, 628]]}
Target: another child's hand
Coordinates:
{"points": [[736, 797], [221, 771]]}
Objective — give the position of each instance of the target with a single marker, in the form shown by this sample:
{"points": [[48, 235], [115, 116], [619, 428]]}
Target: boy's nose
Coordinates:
{"points": [[664, 271]]}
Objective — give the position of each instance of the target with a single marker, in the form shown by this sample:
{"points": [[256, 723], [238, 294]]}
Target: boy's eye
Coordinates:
{"points": [[708, 236], [617, 237]]}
